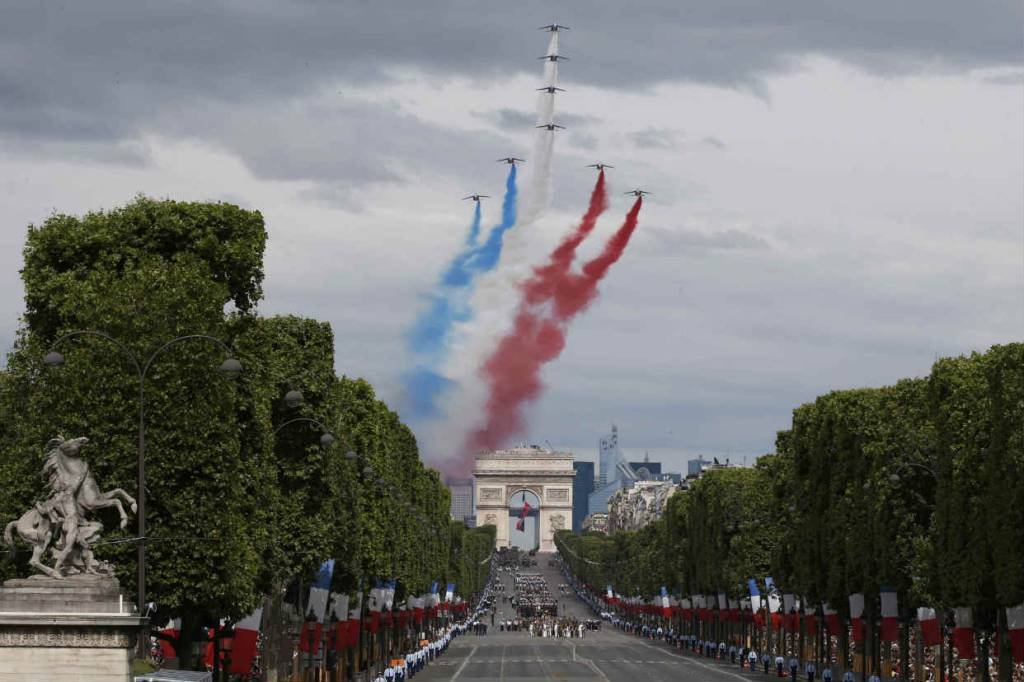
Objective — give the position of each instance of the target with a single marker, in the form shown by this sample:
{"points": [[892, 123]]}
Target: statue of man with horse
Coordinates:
{"points": [[60, 523]]}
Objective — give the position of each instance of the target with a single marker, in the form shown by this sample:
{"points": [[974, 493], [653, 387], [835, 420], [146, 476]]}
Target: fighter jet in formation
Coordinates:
{"points": [[552, 126], [476, 197], [637, 192], [551, 89], [553, 28], [511, 160], [554, 57], [600, 166]]}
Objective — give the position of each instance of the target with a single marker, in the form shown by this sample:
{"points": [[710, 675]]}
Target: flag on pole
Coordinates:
{"points": [[755, 595], [856, 616], [811, 619], [789, 616], [320, 590], [243, 646], [890, 615], [931, 633], [832, 621], [666, 606], [963, 632], [449, 593], [172, 629], [774, 603], [1015, 624]]}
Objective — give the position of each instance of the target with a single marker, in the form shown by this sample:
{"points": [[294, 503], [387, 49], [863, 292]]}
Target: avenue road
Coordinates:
{"points": [[606, 656]]}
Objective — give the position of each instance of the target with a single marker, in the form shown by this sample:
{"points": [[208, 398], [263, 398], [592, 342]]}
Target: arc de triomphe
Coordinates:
{"points": [[500, 474]]}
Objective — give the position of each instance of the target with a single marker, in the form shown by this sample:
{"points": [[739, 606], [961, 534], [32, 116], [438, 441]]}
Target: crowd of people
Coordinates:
{"points": [[532, 596]]}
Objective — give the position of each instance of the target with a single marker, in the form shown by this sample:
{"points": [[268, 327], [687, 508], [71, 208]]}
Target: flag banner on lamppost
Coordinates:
{"points": [[963, 632], [666, 606], [774, 603], [856, 616], [811, 619], [243, 646], [890, 615], [832, 621], [449, 592], [320, 590], [1015, 624], [931, 632]]}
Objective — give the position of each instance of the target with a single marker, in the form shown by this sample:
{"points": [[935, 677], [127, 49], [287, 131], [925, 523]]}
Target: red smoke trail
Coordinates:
{"points": [[543, 285], [512, 372]]}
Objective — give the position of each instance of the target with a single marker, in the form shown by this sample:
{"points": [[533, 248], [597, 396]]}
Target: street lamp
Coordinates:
{"points": [[230, 368], [894, 477]]}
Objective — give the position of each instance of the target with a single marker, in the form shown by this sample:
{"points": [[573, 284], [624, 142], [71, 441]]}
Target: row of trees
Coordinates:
{"points": [[236, 508], [917, 486]]}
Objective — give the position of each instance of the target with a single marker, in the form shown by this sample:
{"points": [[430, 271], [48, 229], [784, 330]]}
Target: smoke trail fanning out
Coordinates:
{"points": [[449, 304], [512, 372]]}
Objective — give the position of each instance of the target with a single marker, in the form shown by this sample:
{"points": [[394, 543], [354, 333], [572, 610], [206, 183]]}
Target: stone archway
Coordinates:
{"points": [[548, 475]]}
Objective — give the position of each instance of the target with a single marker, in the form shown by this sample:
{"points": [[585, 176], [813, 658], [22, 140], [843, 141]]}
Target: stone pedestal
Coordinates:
{"points": [[80, 628]]}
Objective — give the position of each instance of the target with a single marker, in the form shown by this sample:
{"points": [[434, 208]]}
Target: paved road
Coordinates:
{"points": [[605, 656]]}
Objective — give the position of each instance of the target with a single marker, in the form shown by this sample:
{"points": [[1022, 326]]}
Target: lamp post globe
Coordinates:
{"points": [[351, 456], [230, 368], [53, 359], [293, 398], [326, 440], [894, 479]]}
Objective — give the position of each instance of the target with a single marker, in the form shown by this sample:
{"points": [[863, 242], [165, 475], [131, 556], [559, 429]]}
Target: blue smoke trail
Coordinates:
{"points": [[449, 304]]}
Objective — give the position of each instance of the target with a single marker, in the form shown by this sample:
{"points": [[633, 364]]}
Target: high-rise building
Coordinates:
{"points": [[609, 458], [462, 500], [653, 469], [582, 486]]}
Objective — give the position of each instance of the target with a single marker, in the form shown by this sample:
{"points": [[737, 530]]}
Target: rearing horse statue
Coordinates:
{"points": [[62, 518]]}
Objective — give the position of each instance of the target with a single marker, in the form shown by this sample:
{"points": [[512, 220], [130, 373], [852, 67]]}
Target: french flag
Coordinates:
{"points": [[320, 590], [1015, 624], [890, 615], [856, 616], [755, 602], [931, 633], [449, 593], [832, 621], [666, 606], [243, 646], [963, 632]]}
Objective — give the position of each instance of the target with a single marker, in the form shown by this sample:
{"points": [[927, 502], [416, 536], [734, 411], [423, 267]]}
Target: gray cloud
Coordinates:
{"points": [[583, 141], [713, 142], [670, 242], [71, 71], [655, 138]]}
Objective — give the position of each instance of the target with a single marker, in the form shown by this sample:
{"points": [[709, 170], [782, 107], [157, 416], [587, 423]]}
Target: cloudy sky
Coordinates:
{"points": [[838, 185]]}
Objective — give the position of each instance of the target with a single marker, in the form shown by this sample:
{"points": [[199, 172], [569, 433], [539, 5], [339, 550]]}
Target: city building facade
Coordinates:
{"points": [[634, 507], [461, 508], [596, 523], [582, 486]]}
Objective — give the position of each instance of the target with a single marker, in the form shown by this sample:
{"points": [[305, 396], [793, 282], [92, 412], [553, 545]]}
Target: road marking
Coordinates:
{"points": [[694, 662], [590, 664], [461, 667]]}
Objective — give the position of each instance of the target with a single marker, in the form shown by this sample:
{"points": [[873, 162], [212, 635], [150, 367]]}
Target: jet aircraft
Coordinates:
{"points": [[476, 197], [600, 166], [550, 88], [511, 160], [637, 192], [554, 57], [553, 28], [552, 126]]}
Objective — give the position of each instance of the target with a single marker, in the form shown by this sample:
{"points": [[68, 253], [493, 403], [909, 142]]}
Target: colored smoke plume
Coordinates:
{"points": [[512, 372], [449, 303]]}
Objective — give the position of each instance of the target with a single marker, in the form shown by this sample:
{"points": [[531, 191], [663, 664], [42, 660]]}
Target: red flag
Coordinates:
{"points": [[520, 525], [963, 632], [890, 616], [173, 628], [931, 633], [856, 613], [832, 622], [1015, 624], [310, 636], [811, 621], [243, 644], [353, 632], [340, 635]]}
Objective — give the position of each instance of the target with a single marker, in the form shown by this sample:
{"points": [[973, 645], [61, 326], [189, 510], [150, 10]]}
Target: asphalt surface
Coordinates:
{"points": [[607, 655]]}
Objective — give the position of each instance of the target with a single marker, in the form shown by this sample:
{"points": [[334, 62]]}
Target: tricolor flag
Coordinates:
{"points": [[1015, 624], [243, 646], [774, 603], [811, 620], [832, 621], [931, 633], [856, 614], [389, 594], [320, 590], [354, 615], [666, 606], [449, 593], [890, 615], [788, 606], [755, 595], [963, 632]]}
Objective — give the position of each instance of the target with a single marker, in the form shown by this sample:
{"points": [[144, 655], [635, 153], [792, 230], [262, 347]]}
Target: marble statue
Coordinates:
{"points": [[61, 523]]}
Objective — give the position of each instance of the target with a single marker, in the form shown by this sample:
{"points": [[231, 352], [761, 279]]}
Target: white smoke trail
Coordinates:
{"points": [[496, 296]]}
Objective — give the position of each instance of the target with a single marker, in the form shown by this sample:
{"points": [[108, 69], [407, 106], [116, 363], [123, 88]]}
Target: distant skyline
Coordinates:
{"points": [[838, 186]]}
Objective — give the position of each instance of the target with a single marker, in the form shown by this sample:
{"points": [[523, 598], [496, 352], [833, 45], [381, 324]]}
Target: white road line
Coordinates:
{"points": [[459, 671], [590, 664], [694, 662]]}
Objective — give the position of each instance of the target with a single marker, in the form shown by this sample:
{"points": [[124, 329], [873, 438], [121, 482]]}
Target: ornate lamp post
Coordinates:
{"points": [[231, 368]]}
